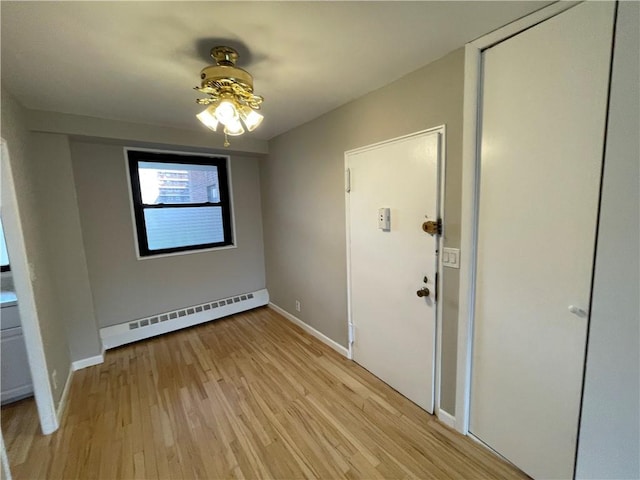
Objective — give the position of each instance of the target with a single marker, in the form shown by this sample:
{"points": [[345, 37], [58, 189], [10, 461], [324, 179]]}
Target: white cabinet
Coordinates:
{"points": [[15, 377]]}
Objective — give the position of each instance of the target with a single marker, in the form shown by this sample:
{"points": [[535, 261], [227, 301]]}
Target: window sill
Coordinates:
{"points": [[186, 252]]}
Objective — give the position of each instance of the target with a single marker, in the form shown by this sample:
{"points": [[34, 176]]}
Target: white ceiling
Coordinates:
{"points": [[138, 61]]}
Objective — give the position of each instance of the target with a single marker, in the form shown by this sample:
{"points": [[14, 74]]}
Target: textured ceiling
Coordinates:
{"points": [[138, 61]]}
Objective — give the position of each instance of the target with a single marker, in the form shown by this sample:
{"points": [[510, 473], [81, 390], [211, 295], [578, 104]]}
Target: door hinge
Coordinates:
{"points": [[347, 180], [352, 333], [433, 227]]}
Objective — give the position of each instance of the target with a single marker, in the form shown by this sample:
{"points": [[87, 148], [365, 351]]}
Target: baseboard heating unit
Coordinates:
{"points": [[123, 333]]}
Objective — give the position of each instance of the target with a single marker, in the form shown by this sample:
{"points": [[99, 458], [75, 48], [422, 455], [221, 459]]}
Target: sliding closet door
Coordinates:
{"points": [[543, 119]]}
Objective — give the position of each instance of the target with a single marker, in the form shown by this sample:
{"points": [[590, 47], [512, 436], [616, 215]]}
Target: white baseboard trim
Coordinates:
{"points": [[87, 362], [63, 399], [310, 330], [446, 418], [16, 394]]}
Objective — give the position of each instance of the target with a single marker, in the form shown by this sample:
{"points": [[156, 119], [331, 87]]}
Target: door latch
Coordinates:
{"points": [[433, 227]]}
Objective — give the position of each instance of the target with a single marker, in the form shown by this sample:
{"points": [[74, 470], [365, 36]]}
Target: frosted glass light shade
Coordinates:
{"points": [[208, 119], [251, 118], [226, 112], [234, 128]]}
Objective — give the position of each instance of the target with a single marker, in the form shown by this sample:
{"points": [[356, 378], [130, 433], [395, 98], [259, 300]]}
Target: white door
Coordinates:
{"points": [[394, 328], [543, 120]]}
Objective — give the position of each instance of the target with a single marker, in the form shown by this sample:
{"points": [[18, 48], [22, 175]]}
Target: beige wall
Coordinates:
{"points": [[60, 218], [609, 441], [125, 288], [43, 274], [303, 196]]}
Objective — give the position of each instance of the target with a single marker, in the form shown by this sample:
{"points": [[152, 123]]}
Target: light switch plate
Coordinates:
{"points": [[451, 257]]}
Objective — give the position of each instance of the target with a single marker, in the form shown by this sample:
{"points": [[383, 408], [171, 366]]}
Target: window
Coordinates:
{"points": [[4, 255], [180, 202]]}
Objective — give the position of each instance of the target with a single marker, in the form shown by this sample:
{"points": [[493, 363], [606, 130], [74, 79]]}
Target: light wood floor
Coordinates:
{"points": [[250, 396]]}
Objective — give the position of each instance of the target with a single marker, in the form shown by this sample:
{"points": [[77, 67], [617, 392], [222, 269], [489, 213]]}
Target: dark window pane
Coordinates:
{"points": [[178, 183], [180, 227]]}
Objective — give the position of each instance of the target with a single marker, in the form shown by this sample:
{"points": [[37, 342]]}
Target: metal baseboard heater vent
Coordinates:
{"points": [[165, 322]]}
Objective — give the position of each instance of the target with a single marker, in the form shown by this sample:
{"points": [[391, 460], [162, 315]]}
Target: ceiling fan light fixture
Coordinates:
{"points": [[251, 118], [226, 112], [230, 95], [234, 128], [208, 119]]}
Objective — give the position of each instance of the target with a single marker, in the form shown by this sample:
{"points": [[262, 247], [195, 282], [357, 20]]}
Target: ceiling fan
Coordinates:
{"points": [[231, 101]]}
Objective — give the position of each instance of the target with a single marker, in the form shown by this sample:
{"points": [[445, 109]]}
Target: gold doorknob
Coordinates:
{"points": [[423, 292]]}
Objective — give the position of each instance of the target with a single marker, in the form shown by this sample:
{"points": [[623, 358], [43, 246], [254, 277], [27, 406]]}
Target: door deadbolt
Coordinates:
{"points": [[423, 292], [432, 227]]}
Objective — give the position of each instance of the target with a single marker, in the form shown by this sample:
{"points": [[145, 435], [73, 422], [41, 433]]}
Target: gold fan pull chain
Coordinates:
{"points": [[226, 141]]}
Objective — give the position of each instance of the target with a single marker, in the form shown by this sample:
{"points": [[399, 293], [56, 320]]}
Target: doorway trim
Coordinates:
{"points": [[26, 300], [470, 188], [441, 129]]}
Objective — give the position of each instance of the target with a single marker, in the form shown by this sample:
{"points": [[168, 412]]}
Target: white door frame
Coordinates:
{"points": [[440, 213], [4, 460], [26, 300], [470, 188]]}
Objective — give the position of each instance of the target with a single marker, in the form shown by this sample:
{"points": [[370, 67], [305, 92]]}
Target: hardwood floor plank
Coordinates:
{"points": [[249, 396]]}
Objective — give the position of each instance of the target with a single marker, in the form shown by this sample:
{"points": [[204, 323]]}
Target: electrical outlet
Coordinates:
{"points": [[54, 379], [297, 305]]}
